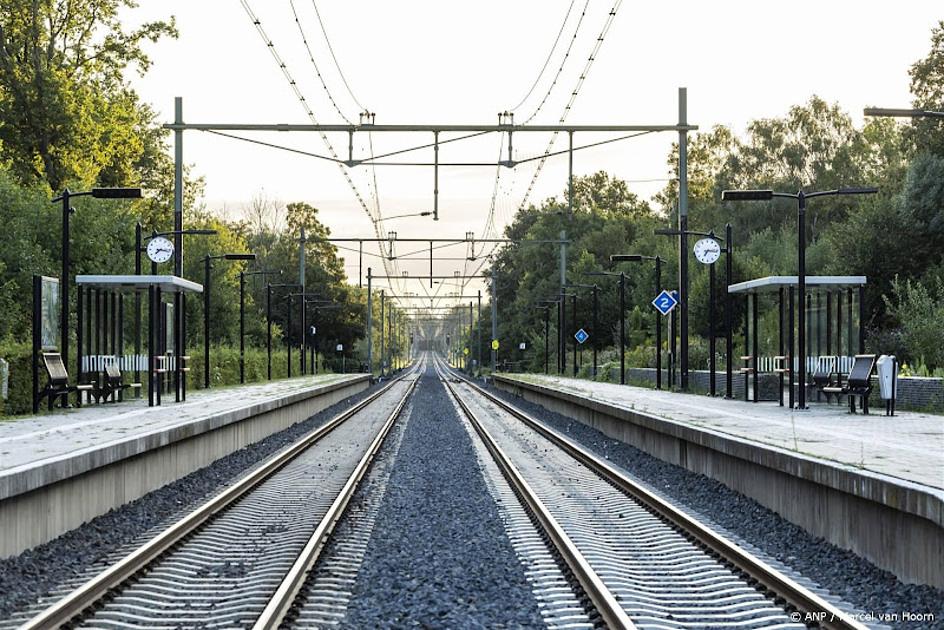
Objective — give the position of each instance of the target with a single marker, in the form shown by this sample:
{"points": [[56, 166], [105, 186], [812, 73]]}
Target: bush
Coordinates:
{"points": [[19, 398], [919, 307]]}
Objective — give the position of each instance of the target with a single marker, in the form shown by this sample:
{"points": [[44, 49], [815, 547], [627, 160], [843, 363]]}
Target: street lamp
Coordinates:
{"points": [[622, 309], [596, 308], [801, 197], [658, 278], [206, 307], [242, 315], [288, 331], [902, 113], [67, 210]]}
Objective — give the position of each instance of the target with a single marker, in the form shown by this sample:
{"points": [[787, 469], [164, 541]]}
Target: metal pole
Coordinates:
{"points": [[179, 321], [478, 332], [570, 175], [383, 331], [547, 322], [206, 321], [360, 264], [622, 338], [370, 356], [64, 288], [301, 281], [561, 341], [495, 322], [435, 176], [729, 333], [596, 330], [560, 359], [573, 317], [658, 326], [683, 237], [711, 330], [242, 327], [469, 366], [801, 302], [862, 326], [288, 338], [269, 331], [780, 333], [137, 308]]}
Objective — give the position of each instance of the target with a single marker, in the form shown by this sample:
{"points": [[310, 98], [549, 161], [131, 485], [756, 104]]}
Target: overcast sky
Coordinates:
{"points": [[424, 62]]}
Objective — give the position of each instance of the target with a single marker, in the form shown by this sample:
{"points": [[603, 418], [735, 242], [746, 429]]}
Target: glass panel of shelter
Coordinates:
{"points": [[834, 328]]}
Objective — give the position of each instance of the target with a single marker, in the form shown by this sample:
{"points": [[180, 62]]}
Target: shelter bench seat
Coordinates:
{"points": [[858, 383], [113, 382], [57, 383]]}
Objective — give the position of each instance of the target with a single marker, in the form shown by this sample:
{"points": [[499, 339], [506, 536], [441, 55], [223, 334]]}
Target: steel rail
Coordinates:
{"points": [[602, 598], [85, 596], [806, 602], [281, 602]]}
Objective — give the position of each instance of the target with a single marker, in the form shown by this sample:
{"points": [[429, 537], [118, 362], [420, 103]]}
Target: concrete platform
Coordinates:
{"points": [[62, 469], [872, 484]]}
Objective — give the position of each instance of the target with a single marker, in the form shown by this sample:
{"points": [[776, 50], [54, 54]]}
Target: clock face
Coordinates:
{"points": [[707, 251], [160, 249]]}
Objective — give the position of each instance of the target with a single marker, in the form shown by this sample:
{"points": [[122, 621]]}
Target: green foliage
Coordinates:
{"points": [[66, 113], [927, 87], [19, 399], [919, 307]]}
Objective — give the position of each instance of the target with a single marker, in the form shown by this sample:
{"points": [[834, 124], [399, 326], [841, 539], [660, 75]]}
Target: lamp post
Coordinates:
{"points": [[622, 309], [67, 210], [658, 280], [242, 315], [288, 331], [596, 308], [329, 306], [801, 197], [207, 260]]}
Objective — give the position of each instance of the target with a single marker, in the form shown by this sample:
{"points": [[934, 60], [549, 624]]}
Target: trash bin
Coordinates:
{"points": [[887, 367]]}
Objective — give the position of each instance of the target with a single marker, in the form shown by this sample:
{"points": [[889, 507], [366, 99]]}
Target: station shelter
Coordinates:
{"points": [[834, 330], [102, 323]]}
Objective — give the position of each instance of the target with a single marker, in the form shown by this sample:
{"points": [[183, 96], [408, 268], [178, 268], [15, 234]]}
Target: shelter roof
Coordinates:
{"points": [[168, 284], [773, 283]]}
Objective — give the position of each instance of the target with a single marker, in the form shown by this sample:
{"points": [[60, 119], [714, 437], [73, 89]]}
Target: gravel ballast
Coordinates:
{"points": [[439, 555], [872, 590], [35, 573]]}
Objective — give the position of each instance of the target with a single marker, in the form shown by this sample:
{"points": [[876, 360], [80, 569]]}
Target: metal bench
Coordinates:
{"points": [[112, 382], [57, 383], [826, 375], [859, 382]]}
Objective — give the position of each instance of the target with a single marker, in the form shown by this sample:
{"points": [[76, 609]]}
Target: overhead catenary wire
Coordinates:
{"points": [[547, 60], [567, 109], [311, 116]]}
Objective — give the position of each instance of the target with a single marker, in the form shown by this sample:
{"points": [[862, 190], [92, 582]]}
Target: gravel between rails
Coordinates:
{"points": [[439, 555], [856, 580], [68, 560]]}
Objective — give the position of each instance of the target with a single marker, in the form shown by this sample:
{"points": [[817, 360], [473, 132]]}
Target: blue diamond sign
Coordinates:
{"points": [[581, 335], [665, 302]]}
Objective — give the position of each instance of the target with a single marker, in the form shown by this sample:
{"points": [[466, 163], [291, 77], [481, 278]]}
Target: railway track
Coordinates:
{"points": [[239, 559], [641, 561]]}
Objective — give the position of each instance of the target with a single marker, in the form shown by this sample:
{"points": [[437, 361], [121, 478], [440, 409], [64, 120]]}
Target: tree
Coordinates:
{"points": [[66, 113], [927, 87]]}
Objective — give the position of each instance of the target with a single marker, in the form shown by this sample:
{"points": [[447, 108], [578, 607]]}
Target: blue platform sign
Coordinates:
{"points": [[581, 335], [665, 302]]}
